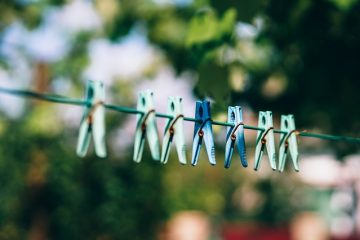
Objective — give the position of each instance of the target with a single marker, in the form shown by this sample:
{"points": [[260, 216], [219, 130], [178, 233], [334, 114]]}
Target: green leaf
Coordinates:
{"points": [[206, 27], [228, 22], [202, 28]]}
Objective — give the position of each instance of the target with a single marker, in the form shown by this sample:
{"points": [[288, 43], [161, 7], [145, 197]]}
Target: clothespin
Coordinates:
{"points": [[146, 127], [203, 130], [288, 142], [174, 128], [235, 135], [93, 120], [265, 138]]}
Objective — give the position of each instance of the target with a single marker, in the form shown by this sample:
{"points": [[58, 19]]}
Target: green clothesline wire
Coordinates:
{"points": [[72, 101]]}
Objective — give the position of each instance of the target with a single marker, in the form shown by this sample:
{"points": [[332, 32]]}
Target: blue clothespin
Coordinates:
{"points": [[93, 120], [146, 127], [203, 130], [265, 138], [174, 129], [288, 142], [235, 135]]}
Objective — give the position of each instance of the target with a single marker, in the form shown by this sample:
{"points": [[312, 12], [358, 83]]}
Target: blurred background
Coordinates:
{"points": [[300, 57]]}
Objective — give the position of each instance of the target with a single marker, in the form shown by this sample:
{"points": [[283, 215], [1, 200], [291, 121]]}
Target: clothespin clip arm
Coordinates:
{"points": [[203, 132], [146, 127], [199, 134], [92, 122], [265, 138]]}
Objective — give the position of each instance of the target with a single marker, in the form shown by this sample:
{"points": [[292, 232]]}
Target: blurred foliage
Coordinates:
{"points": [[298, 57], [44, 183], [317, 44], [205, 27]]}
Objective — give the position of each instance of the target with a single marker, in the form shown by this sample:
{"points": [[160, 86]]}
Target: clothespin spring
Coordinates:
{"points": [[171, 128], [233, 136], [296, 132], [201, 133], [92, 110], [143, 124], [263, 139]]}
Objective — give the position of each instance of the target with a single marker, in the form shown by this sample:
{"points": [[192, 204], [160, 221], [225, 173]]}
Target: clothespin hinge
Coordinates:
{"points": [[171, 128], [201, 133], [92, 110], [296, 132], [263, 139], [143, 125], [233, 137]]}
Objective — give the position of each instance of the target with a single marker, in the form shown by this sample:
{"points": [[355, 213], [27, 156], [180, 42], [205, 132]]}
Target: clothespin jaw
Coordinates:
{"points": [[235, 136], [203, 131], [265, 139], [288, 142], [174, 129], [93, 120], [146, 127]]}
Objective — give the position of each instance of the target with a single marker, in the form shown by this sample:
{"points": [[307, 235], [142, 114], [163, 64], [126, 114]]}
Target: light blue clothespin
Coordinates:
{"points": [[146, 127], [203, 130], [288, 141], [235, 135], [93, 120], [174, 128], [265, 138]]}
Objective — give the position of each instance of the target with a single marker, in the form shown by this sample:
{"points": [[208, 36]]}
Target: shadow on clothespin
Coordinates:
{"points": [[235, 135], [288, 142], [93, 120], [146, 127], [265, 139], [174, 128], [203, 130]]}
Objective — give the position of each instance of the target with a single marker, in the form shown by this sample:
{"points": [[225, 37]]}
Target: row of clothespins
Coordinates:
{"points": [[93, 122]]}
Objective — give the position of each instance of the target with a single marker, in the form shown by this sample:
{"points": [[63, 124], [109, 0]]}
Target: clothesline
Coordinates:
{"points": [[72, 101]]}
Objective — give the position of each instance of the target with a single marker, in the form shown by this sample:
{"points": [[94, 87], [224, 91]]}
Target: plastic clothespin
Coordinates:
{"points": [[174, 128], [93, 120], [203, 130], [146, 125], [288, 142], [265, 138], [235, 135]]}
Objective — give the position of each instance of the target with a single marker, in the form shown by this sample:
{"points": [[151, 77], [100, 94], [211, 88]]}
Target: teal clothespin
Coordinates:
{"points": [[235, 136], [174, 128], [288, 142], [265, 139], [146, 127], [203, 131], [93, 120]]}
